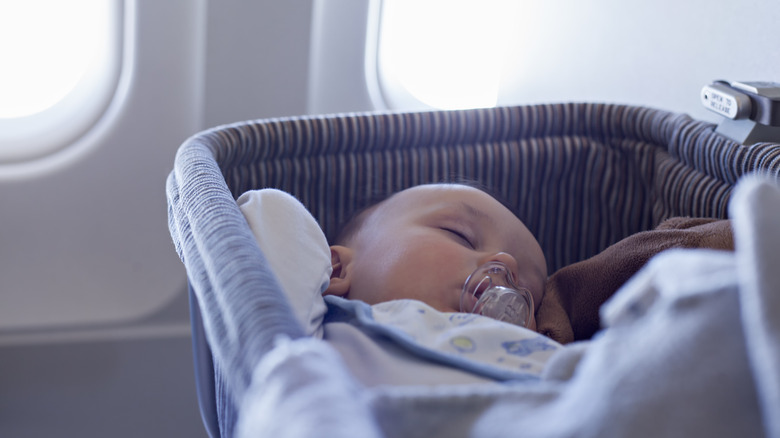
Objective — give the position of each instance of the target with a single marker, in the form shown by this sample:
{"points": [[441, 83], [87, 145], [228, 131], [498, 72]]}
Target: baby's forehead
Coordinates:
{"points": [[463, 204], [436, 192], [433, 197]]}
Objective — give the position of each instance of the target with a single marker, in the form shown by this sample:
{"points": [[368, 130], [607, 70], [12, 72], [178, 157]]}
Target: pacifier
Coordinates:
{"points": [[491, 291]]}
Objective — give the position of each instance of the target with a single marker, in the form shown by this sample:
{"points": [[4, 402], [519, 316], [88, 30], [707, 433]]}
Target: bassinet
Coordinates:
{"points": [[582, 175]]}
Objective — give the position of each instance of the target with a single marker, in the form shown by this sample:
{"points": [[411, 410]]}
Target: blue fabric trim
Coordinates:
{"points": [[358, 314]]}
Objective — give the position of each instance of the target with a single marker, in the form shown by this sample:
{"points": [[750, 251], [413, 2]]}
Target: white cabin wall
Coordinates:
{"points": [[68, 370], [656, 54], [258, 59]]}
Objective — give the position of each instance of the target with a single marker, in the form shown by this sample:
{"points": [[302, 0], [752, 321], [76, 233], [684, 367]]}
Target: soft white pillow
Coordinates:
{"points": [[296, 249]]}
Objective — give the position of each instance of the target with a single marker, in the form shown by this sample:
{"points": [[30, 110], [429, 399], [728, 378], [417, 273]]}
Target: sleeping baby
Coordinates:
{"points": [[435, 285]]}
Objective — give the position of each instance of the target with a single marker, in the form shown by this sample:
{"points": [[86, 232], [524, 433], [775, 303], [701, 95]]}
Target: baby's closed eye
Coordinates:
{"points": [[460, 236]]}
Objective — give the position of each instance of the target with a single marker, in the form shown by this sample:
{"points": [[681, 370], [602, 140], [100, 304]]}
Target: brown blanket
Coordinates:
{"points": [[569, 310]]}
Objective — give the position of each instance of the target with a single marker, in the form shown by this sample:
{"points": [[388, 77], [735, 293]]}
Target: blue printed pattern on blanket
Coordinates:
{"points": [[467, 336], [526, 347]]}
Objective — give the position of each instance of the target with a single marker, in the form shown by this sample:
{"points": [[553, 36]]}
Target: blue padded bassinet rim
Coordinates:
{"points": [[301, 136], [216, 246]]}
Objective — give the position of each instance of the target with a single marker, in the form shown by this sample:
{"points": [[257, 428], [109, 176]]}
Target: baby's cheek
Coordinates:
{"points": [[379, 275]]}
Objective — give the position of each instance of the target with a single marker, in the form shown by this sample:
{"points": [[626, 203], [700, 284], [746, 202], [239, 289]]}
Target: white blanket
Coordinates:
{"points": [[691, 347]]}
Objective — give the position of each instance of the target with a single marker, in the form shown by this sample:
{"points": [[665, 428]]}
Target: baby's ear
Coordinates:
{"points": [[340, 259]]}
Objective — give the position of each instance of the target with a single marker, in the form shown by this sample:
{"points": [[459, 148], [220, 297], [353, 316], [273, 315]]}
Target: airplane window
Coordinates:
{"points": [[443, 54], [60, 67]]}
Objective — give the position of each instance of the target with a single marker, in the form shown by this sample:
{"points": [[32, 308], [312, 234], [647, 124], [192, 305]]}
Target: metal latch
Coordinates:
{"points": [[751, 110]]}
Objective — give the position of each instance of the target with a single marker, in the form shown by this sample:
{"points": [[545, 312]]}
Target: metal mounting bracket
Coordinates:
{"points": [[751, 110]]}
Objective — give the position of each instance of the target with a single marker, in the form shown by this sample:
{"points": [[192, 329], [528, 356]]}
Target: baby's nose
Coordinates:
{"points": [[506, 259]]}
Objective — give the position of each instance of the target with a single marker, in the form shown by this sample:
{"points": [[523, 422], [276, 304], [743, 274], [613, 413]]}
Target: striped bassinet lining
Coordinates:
{"points": [[581, 175]]}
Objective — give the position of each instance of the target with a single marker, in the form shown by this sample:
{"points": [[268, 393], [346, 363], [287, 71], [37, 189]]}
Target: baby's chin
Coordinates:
{"points": [[446, 307]]}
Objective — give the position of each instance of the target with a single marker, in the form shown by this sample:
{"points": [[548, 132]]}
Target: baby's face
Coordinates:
{"points": [[424, 242]]}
